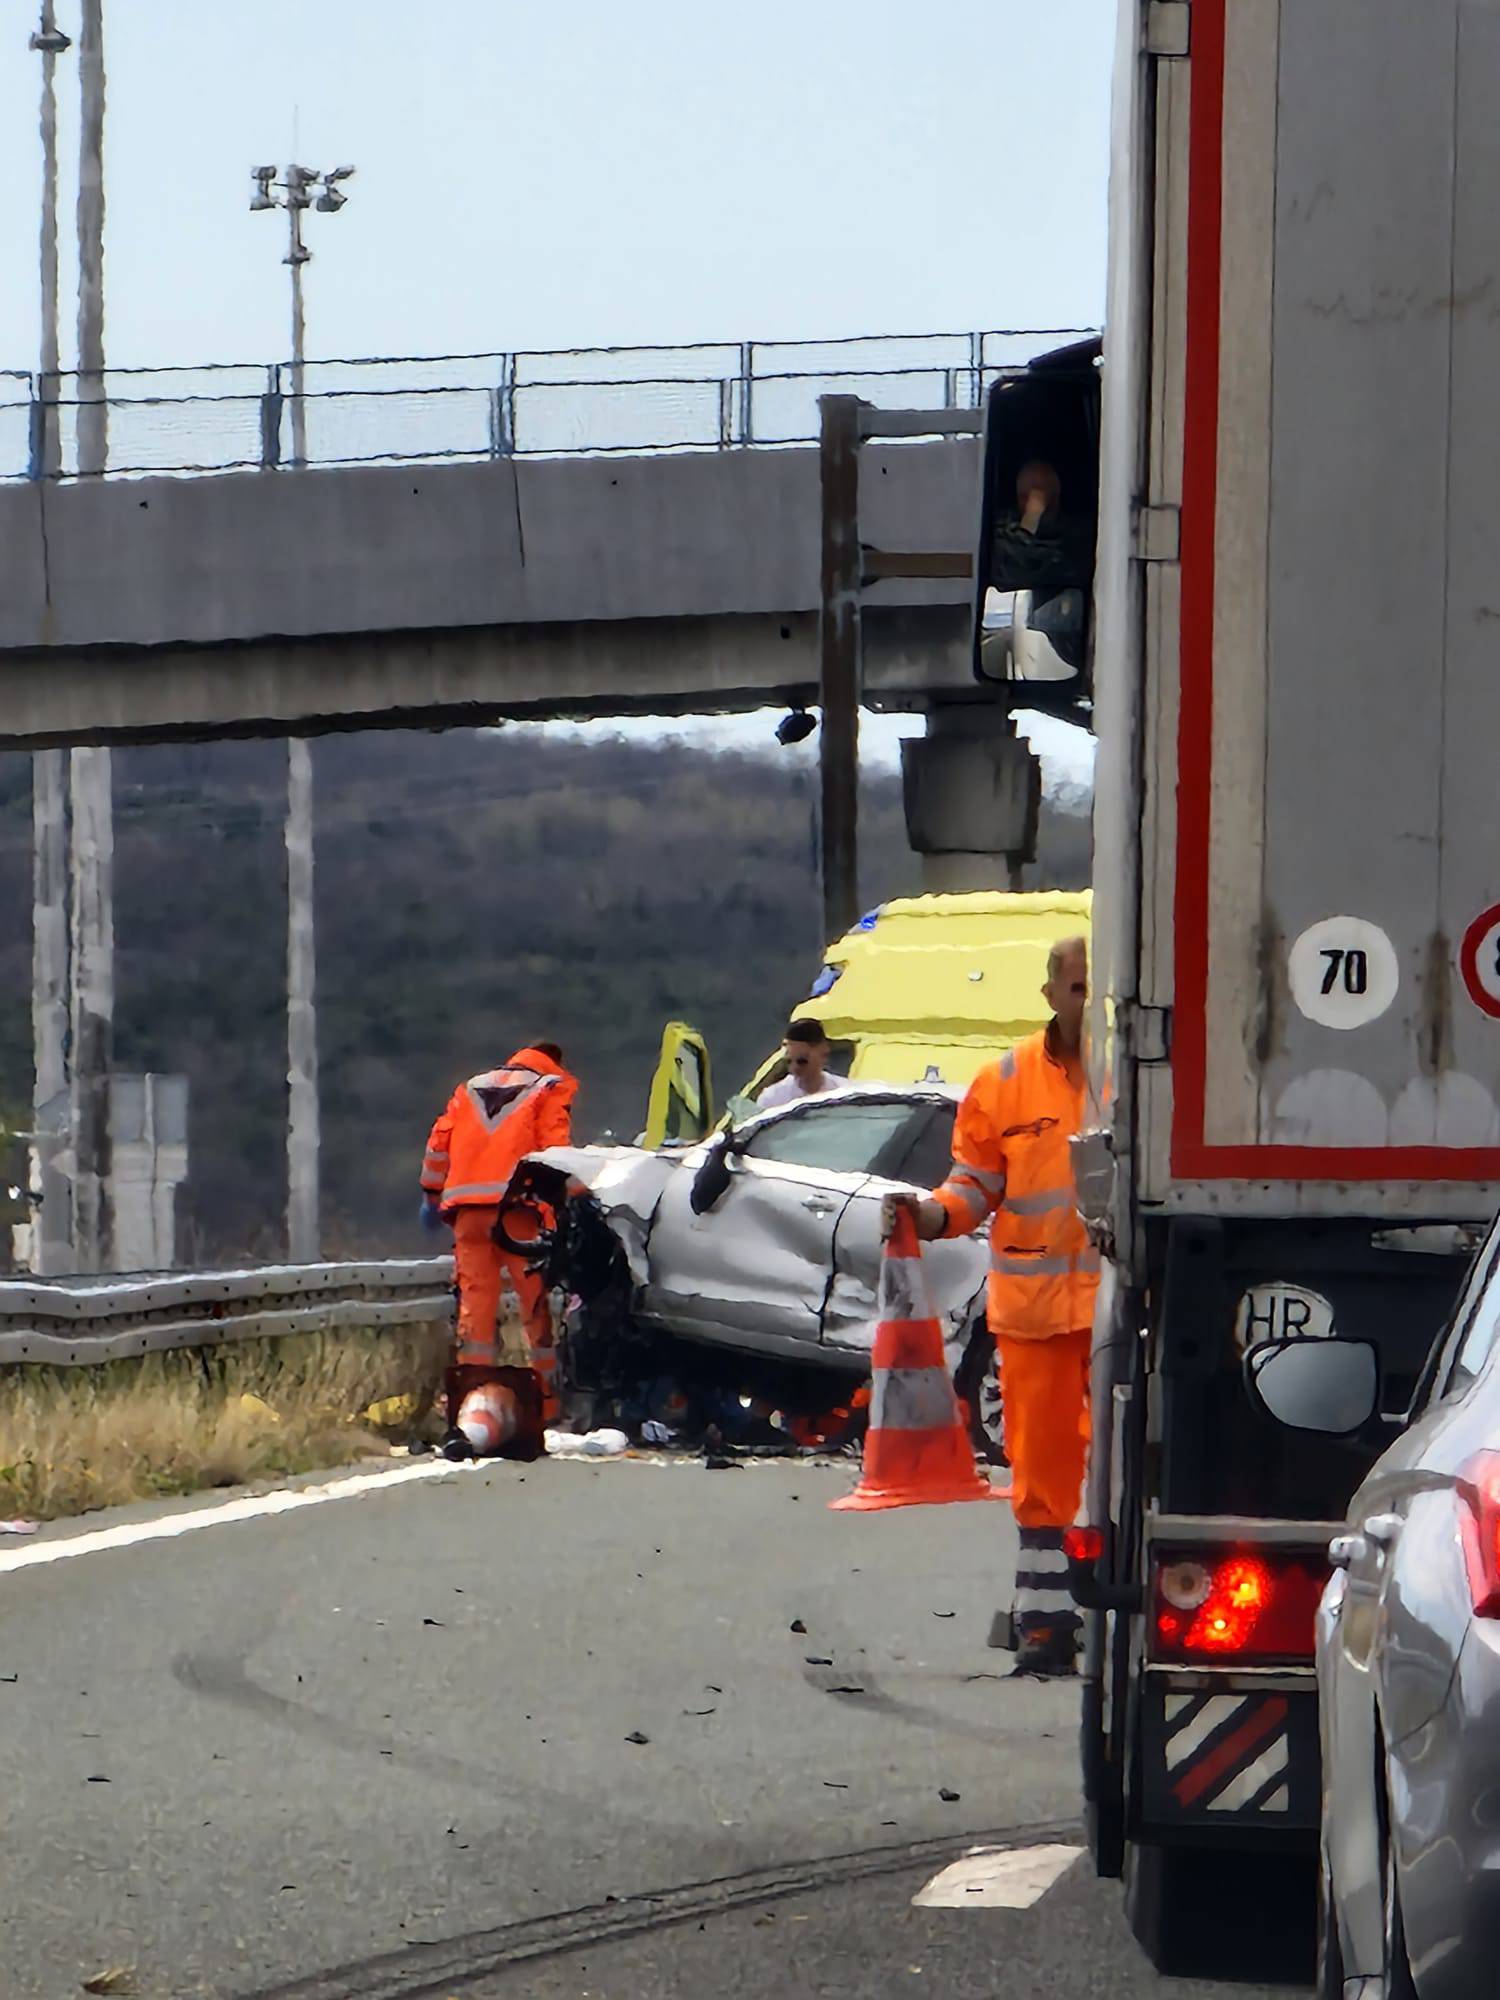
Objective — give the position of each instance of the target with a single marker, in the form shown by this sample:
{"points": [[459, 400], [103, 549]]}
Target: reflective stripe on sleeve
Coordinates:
{"points": [[974, 1199]]}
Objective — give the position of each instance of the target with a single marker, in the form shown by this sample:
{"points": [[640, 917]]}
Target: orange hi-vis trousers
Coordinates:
{"points": [[1044, 1385], [482, 1268]]}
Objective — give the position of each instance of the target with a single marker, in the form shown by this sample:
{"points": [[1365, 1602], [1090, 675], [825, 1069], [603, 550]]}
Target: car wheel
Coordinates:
{"points": [[978, 1384]]}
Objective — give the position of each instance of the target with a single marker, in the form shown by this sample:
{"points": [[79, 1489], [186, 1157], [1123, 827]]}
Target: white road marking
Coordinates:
{"points": [[253, 1507], [997, 1878]]}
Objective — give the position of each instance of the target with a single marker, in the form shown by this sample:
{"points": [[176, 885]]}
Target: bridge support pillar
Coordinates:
{"points": [[973, 792]]}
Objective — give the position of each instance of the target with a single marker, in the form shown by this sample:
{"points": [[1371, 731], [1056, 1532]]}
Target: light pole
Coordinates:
{"points": [[52, 1229], [293, 192], [91, 969]]}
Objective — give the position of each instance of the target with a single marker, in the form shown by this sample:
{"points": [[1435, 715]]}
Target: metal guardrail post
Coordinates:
{"points": [[37, 457], [270, 420], [726, 412], [506, 410], [747, 392]]}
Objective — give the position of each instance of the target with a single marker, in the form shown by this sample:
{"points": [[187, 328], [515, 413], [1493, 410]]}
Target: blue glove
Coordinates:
{"points": [[431, 1216]]}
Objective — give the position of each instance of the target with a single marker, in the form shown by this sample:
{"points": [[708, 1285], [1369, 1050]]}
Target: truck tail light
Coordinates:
{"points": [[1244, 1605], [1479, 1526]]}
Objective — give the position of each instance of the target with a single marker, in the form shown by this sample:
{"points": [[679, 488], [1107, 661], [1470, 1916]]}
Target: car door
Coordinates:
{"points": [[681, 1105], [752, 1271], [916, 1161]]}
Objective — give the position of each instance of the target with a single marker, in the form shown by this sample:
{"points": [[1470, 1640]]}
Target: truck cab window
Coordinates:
{"points": [[1039, 527]]}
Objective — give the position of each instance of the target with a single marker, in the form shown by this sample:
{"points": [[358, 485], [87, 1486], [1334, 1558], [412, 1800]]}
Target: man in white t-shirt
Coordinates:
{"points": [[806, 1061]]}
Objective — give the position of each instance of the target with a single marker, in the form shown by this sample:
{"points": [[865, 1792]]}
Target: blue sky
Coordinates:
{"points": [[576, 173]]}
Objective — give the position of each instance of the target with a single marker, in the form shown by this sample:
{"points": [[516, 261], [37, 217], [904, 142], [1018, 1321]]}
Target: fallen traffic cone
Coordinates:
{"points": [[917, 1450], [489, 1418]]}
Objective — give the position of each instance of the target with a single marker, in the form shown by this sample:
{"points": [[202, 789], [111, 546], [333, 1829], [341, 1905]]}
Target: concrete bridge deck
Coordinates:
{"points": [[357, 596]]}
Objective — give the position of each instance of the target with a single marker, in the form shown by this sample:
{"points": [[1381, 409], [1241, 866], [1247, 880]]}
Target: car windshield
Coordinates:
{"points": [[843, 1138]]}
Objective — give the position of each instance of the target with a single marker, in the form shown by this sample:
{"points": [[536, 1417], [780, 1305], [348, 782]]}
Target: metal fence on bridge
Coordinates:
{"points": [[709, 397]]}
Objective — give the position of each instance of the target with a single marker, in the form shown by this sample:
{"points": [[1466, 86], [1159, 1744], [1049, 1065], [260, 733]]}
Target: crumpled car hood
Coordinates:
{"points": [[626, 1182]]}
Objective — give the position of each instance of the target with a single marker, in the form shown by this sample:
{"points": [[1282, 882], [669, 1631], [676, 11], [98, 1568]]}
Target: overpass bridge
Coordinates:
{"points": [[361, 544]]}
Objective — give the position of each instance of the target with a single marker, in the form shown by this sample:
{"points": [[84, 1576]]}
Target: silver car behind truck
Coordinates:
{"points": [[1408, 1654]]}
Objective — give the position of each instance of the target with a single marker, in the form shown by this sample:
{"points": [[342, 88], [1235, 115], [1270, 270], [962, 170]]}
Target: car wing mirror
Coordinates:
{"points": [[1329, 1386], [711, 1182]]}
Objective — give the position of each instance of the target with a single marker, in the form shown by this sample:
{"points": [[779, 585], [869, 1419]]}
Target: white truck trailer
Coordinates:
{"points": [[1291, 648]]}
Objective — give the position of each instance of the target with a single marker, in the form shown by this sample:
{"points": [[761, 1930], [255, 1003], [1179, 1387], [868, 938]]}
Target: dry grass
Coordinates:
{"points": [[76, 1438]]}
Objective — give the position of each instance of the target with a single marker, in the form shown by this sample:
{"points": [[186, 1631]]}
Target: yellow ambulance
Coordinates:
{"points": [[923, 989]]}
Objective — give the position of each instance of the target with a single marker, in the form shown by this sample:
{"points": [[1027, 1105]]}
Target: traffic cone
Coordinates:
{"points": [[489, 1417], [917, 1450]]}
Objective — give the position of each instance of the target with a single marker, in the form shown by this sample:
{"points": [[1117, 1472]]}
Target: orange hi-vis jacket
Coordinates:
{"points": [[491, 1123], [1011, 1163]]}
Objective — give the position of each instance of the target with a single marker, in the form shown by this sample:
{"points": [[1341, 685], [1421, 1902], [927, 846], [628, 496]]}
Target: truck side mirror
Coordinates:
{"points": [[1038, 529], [1330, 1386]]}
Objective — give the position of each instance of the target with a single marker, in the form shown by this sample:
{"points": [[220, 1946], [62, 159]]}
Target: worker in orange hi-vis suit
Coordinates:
{"points": [[490, 1124], [1012, 1168]]}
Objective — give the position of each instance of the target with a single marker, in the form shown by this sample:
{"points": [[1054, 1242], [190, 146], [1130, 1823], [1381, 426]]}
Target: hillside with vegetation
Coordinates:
{"points": [[475, 890]]}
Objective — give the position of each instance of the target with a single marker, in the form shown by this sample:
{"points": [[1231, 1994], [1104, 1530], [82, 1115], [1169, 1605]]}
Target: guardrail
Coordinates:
{"points": [[283, 416], [79, 1326]]}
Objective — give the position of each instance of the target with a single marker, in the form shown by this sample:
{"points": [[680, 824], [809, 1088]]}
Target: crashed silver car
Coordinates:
{"points": [[764, 1242]]}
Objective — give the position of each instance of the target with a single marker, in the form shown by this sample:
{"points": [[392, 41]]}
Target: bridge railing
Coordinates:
{"points": [[710, 397]]}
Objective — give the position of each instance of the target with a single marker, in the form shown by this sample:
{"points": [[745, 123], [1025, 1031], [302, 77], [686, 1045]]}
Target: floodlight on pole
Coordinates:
{"points": [[293, 192]]}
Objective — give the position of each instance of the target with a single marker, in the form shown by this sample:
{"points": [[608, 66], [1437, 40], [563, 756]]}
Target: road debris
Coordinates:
{"points": [[796, 1626], [949, 1798], [117, 1979], [637, 1736], [19, 1527], [606, 1443]]}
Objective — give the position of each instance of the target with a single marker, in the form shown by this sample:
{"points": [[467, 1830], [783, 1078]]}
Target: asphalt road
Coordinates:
{"points": [[381, 1748]]}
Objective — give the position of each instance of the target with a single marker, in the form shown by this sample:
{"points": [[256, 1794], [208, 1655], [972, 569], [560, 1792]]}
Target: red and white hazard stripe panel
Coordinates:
{"points": [[1214, 1755]]}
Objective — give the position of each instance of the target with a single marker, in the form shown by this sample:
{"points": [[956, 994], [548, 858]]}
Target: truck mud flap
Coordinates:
{"points": [[1229, 1757]]}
